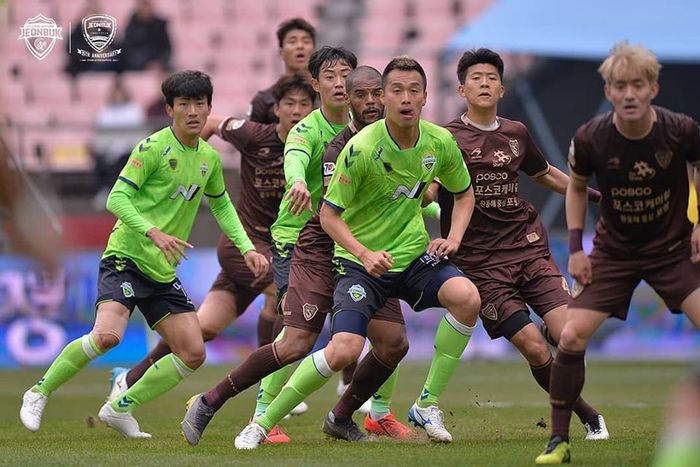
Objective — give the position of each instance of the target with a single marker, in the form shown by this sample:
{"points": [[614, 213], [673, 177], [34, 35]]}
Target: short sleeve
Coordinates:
{"points": [[237, 132], [347, 176], [453, 173], [692, 141], [534, 163], [579, 158]]}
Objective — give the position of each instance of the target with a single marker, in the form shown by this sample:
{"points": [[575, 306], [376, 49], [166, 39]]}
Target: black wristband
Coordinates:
{"points": [[575, 240]]}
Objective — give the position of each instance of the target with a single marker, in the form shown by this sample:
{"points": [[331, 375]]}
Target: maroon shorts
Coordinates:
{"points": [[310, 298], [673, 276], [235, 277], [506, 290]]}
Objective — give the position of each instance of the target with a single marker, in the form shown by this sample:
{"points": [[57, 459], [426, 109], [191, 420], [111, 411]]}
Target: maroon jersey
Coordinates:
{"points": [[314, 245], [262, 173], [504, 228], [262, 107], [644, 183]]}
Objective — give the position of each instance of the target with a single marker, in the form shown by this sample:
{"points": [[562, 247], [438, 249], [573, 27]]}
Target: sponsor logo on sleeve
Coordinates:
{"points": [[234, 124], [328, 168]]}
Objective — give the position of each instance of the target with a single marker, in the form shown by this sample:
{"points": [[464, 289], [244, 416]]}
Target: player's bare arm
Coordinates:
{"points": [[555, 180], [375, 262], [461, 215], [212, 127], [579, 264], [430, 194]]}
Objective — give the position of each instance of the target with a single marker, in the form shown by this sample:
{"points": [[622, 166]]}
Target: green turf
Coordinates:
{"points": [[492, 410]]}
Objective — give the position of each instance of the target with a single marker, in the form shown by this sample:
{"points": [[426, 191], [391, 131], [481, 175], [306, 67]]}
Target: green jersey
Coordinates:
{"points": [[161, 186], [379, 188], [303, 155]]}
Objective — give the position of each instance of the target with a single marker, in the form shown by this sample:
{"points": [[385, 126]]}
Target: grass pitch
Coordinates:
{"points": [[494, 410]]}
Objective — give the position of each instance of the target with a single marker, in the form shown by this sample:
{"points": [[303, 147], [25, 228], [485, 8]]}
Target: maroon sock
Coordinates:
{"points": [[265, 330], [259, 364], [568, 375], [581, 408], [159, 351], [369, 376], [348, 371]]}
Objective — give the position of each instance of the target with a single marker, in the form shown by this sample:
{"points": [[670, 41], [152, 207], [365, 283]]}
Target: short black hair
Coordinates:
{"points": [[331, 56], [287, 84], [188, 83], [476, 56], [293, 24], [361, 71], [404, 63]]}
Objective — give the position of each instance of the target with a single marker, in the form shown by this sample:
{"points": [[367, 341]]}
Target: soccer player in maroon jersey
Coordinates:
{"points": [[505, 251], [262, 188], [297, 39], [638, 154]]}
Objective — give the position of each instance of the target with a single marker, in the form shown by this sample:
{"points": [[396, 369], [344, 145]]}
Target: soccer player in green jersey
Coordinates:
{"points": [[372, 210], [155, 199]]}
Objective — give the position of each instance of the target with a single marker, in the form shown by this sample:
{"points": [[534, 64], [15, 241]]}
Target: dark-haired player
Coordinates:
{"points": [[372, 210], [303, 154], [505, 251], [155, 199], [262, 176], [639, 155], [296, 38]]}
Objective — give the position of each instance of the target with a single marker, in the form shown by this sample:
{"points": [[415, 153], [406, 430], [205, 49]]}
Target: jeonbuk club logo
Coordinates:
{"points": [[99, 31], [40, 34]]}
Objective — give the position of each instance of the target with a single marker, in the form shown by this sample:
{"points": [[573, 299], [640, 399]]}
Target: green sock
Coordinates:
{"points": [[160, 378], [312, 374], [271, 385], [73, 358], [381, 400], [451, 338]]}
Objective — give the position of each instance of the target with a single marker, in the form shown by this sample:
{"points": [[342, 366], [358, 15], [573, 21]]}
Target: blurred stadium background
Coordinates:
{"points": [[51, 120]]}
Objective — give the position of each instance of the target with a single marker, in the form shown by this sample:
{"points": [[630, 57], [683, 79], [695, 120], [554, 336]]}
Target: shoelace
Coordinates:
{"points": [[436, 417], [251, 434]]}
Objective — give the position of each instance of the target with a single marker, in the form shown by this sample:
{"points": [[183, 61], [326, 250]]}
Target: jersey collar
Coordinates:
{"points": [[182, 146]]}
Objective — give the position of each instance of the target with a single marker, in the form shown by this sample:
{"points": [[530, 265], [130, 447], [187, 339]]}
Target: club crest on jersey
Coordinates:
{"points": [[309, 311], [127, 289], [514, 147], [500, 158], [172, 163], [476, 154], [664, 157], [203, 169], [328, 168], [641, 171], [234, 124], [357, 292], [428, 162], [489, 312]]}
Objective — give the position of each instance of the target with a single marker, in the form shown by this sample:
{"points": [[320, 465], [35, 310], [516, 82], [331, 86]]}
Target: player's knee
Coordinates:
{"points": [[343, 350], [393, 349], [106, 340], [571, 340], [461, 298], [295, 345], [193, 356]]}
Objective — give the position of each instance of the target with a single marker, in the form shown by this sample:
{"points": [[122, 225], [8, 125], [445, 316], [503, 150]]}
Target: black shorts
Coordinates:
{"points": [[360, 295], [281, 262], [120, 280]]}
